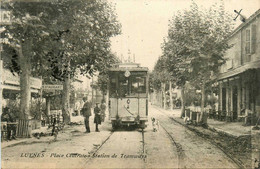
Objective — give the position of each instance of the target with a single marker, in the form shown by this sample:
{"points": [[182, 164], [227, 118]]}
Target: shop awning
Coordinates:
{"points": [[16, 88], [238, 70]]}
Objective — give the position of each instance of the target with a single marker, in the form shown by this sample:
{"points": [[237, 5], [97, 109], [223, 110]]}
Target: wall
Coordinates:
{"points": [[236, 55]]}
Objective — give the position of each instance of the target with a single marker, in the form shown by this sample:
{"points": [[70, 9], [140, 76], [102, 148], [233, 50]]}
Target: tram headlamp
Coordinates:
{"points": [[127, 73], [128, 101]]}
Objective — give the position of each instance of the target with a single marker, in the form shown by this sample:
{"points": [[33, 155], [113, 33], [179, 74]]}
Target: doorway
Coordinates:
{"points": [[224, 99]]}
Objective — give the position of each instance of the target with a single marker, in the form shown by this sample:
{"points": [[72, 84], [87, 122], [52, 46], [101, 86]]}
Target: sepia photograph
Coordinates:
{"points": [[142, 84]]}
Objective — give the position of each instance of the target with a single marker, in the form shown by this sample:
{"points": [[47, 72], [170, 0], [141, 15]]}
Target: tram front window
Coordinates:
{"points": [[123, 86], [112, 87], [132, 86], [137, 85]]}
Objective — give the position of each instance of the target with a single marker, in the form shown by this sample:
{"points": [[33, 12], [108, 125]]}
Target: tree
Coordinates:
{"points": [[25, 34], [61, 38], [84, 41], [196, 44], [176, 65], [161, 76]]}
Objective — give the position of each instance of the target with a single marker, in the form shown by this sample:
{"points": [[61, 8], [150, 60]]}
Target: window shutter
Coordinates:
{"points": [[253, 39], [247, 41]]}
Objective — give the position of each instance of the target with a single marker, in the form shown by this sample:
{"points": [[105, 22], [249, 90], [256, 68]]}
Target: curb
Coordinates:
{"points": [[14, 143], [221, 132], [226, 133]]}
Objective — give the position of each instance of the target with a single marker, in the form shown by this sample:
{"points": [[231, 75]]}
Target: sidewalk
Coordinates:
{"points": [[79, 120], [4, 143], [233, 129]]}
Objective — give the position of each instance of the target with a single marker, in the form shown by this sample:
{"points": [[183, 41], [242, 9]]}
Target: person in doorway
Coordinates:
{"points": [[103, 110], [97, 118], [86, 112]]}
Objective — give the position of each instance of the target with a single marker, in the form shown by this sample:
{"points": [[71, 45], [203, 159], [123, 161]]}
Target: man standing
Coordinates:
{"points": [[86, 112], [97, 118]]}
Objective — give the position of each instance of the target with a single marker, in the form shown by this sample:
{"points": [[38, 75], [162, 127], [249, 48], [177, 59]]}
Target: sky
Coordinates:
{"points": [[145, 24]]}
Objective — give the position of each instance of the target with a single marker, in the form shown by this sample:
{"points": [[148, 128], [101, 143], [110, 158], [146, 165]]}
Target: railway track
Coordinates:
{"points": [[143, 151], [143, 144], [97, 149], [180, 151], [201, 135]]}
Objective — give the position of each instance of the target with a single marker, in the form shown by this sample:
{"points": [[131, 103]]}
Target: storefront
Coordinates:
{"points": [[239, 91], [239, 78], [10, 87]]}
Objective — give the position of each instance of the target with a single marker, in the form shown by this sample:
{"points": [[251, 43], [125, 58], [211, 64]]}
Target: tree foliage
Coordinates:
{"points": [[103, 80], [61, 34], [195, 46], [58, 38], [196, 43], [160, 73]]}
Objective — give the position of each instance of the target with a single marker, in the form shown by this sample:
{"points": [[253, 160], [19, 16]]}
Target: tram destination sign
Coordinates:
{"points": [[52, 87]]}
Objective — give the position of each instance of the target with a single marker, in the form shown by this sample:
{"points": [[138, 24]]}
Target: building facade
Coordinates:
{"points": [[10, 85], [239, 78]]}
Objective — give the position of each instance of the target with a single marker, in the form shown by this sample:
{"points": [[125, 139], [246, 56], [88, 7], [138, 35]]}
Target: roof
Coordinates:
{"points": [[128, 66], [248, 20], [123, 69], [241, 69]]}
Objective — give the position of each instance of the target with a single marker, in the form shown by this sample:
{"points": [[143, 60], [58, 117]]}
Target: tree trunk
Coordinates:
{"points": [[164, 95], [160, 101], [66, 100], [48, 108], [25, 86], [107, 99], [103, 96], [203, 95], [92, 93], [1, 89], [170, 90], [182, 102]]}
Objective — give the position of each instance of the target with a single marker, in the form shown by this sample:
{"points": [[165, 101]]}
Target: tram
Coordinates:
{"points": [[128, 95]]}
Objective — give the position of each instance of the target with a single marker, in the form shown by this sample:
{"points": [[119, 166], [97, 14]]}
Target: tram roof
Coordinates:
{"points": [[127, 66], [123, 69]]}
